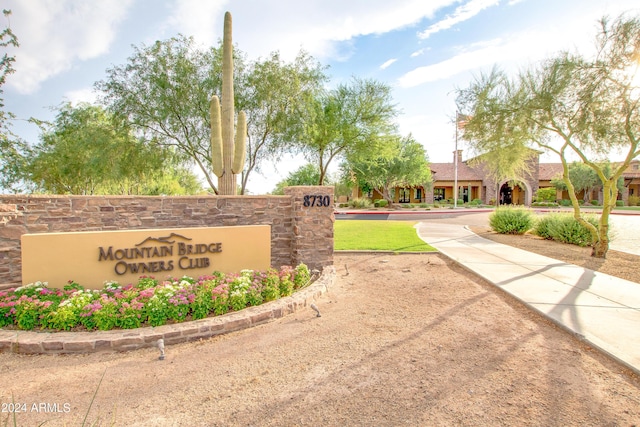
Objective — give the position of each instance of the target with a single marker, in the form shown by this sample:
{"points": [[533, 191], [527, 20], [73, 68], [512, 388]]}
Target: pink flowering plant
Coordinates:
{"points": [[149, 302]]}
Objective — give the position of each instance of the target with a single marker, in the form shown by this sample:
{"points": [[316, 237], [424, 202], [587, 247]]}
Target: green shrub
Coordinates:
{"points": [[565, 202], [381, 203], [509, 220], [423, 205], [360, 203], [619, 203], [563, 227], [634, 201], [476, 202], [544, 204], [542, 225], [546, 195], [595, 202]]}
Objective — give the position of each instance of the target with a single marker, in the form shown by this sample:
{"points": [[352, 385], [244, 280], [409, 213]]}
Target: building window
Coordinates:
{"points": [[418, 194], [438, 193]]}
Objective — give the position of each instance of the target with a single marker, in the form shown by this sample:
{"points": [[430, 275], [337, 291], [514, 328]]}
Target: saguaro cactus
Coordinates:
{"points": [[227, 157]]}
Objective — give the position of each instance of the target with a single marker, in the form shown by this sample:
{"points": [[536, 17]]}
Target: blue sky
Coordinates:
{"points": [[424, 49]]}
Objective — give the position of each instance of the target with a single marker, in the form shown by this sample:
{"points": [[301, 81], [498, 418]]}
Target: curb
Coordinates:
{"points": [[29, 342]]}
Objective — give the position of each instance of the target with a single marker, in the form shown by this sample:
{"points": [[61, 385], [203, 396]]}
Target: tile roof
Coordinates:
{"points": [[446, 172], [549, 171]]}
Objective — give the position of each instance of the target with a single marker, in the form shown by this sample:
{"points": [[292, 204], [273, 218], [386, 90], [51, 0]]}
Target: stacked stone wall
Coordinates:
{"points": [[299, 233]]}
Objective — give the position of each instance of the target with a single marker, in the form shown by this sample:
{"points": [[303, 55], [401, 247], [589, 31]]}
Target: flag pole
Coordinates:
{"points": [[455, 167]]}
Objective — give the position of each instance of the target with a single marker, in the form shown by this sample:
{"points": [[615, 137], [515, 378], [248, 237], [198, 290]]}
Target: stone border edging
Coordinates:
{"points": [[29, 342]]}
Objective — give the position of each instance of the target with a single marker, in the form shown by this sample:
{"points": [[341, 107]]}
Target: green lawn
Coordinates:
{"points": [[396, 236]]}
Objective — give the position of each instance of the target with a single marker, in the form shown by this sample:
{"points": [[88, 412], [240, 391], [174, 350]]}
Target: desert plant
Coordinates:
{"points": [[227, 157], [563, 227], [546, 194], [360, 203], [510, 220], [566, 229]]}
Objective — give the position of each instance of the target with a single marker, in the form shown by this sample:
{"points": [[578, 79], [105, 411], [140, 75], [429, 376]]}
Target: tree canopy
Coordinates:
{"points": [[570, 105], [349, 122], [584, 179], [164, 91], [407, 165], [11, 147], [87, 151], [305, 175]]}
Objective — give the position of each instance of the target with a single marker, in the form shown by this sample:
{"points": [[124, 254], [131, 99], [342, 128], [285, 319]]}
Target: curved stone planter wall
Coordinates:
{"points": [[28, 342]]}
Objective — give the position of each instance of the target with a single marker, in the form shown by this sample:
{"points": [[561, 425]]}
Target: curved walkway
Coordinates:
{"points": [[130, 339], [602, 310]]}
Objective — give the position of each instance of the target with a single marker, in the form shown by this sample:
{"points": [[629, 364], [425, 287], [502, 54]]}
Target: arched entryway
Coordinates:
{"points": [[515, 193]]}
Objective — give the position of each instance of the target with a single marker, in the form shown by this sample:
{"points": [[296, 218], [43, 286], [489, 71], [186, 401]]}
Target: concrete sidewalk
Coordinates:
{"points": [[600, 309]]}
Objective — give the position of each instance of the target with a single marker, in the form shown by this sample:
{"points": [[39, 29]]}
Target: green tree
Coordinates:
{"points": [[408, 165], [11, 148], [275, 94], [349, 122], [584, 178], [572, 104], [86, 151], [308, 174], [500, 141], [164, 91]]}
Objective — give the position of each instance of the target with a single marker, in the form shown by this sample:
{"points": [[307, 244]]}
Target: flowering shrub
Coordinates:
{"points": [[149, 302]]}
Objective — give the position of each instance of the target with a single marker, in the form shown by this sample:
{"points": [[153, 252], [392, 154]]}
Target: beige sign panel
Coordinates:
{"points": [[91, 258]]}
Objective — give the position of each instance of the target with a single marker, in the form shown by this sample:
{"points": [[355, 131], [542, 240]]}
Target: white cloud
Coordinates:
{"points": [[200, 19], [510, 52], [323, 28], [490, 54], [388, 63], [81, 95], [461, 14], [53, 34], [417, 53]]}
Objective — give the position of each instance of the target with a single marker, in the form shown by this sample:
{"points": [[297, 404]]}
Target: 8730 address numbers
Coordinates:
{"points": [[318, 201]]}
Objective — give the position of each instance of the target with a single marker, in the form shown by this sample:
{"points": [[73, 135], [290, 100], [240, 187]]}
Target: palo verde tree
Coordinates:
{"points": [[349, 122], [405, 166], [572, 105], [499, 141]]}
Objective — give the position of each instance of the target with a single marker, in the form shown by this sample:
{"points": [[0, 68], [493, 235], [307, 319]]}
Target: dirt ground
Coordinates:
{"points": [[402, 340]]}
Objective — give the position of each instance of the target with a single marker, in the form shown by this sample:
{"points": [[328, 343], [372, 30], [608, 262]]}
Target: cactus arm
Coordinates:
{"points": [[216, 137], [240, 151]]}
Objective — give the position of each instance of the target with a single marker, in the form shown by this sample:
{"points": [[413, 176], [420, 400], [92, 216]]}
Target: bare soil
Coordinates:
{"points": [[403, 340]]}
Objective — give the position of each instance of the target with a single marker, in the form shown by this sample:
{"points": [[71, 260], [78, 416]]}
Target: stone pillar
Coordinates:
{"points": [[313, 218]]}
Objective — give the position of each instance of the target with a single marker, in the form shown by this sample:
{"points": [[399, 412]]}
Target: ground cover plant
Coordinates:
{"points": [[150, 302], [395, 236]]}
